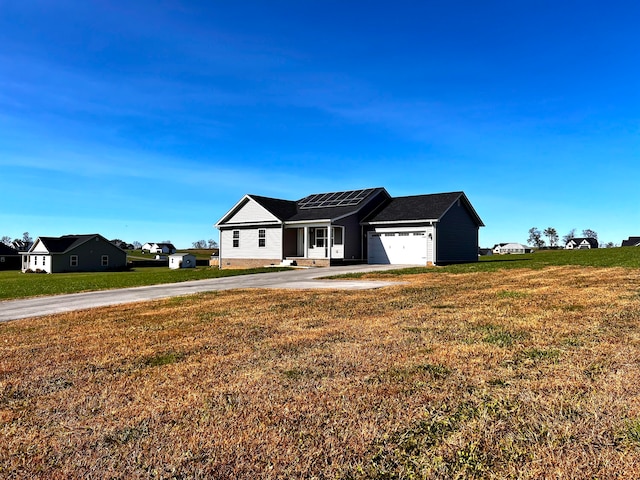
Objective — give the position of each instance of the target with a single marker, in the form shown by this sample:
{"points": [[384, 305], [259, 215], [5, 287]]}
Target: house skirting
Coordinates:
{"points": [[248, 262], [311, 262]]}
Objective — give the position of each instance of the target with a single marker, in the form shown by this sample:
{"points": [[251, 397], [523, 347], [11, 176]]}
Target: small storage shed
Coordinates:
{"points": [[182, 260]]}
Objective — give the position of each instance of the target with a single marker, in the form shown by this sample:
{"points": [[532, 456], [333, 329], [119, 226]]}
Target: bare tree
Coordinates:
{"points": [[199, 244], [569, 236], [26, 237], [213, 243], [137, 245], [6, 240], [588, 233], [535, 238]]}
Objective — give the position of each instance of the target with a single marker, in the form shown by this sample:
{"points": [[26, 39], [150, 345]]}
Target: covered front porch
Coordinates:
{"points": [[314, 244]]}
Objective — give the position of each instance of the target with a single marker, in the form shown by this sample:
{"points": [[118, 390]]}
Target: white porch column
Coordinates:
{"points": [[305, 243], [329, 242]]}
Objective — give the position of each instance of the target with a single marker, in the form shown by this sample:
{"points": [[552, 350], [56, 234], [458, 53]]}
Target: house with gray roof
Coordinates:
{"points": [[73, 253], [365, 225], [631, 242], [510, 248], [581, 243]]}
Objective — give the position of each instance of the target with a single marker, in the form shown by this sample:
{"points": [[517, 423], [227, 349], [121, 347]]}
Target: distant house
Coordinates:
{"points": [[182, 260], [631, 242], [161, 248], [73, 253], [365, 225], [508, 248], [122, 245], [21, 245], [581, 243], [9, 258]]}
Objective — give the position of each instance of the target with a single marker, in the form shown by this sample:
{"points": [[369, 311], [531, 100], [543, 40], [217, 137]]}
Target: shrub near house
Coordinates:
{"points": [[73, 253]]}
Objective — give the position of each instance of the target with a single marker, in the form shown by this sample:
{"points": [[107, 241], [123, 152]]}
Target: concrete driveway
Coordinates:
{"points": [[291, 279]]}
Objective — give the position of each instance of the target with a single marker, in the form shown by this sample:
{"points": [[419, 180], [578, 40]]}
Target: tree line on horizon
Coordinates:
{"points": [[535, 237]]}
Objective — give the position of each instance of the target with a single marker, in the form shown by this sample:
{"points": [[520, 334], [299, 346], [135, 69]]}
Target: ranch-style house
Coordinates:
{"points": [[365, 225], [73, 253]]}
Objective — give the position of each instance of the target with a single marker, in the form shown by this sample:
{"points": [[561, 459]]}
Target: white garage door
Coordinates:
{"points": [[397, 248]]}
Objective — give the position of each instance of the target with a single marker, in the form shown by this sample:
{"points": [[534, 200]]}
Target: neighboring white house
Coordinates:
{"points": [[166, 248], [581, 243], [182, 260], [507, 248], [354, 226]]}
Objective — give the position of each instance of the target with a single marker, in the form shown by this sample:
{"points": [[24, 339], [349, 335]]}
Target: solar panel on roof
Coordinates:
{"points": [[336, 199]]}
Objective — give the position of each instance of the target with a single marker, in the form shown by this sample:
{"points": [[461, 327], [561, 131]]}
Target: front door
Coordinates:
{"points": [[318, 242], [337, 242]]}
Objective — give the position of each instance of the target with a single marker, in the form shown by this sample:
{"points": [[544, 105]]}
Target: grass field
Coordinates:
{"points": [[14, 284], [510, 373]]}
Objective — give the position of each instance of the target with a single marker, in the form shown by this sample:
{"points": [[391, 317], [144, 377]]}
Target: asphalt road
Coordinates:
{"points": [[291, 279]]}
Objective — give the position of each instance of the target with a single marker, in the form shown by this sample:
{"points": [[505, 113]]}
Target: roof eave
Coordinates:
{"points": [[306, 222], [387, 222], [249, 224]]}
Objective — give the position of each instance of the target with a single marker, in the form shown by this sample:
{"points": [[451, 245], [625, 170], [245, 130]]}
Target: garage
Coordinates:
{"points": [[397, 247]]}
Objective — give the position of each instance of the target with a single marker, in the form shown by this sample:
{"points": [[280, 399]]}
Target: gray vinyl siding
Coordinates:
{"points": [[355, 241], [352, 241], [10, 262], [457, 236], [90, 258], [249, 243]]}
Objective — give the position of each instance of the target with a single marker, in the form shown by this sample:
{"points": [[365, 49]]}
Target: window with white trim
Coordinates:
{"points": [[337, 236], [73, 261], [262, 237], [236, 238], [320, 237]]}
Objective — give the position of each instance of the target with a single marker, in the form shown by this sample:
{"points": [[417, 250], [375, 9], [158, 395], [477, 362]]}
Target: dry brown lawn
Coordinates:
{"points": [[513, 374]]}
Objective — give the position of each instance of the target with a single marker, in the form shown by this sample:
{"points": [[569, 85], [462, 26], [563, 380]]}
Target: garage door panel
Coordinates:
{"points": [[397, 248]]}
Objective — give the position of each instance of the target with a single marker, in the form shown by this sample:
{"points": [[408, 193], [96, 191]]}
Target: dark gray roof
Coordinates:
{"points": [[282, 209], [67, 242], [420, 207], [7, 251], [631, 242], [592, 241], [288, 210]]}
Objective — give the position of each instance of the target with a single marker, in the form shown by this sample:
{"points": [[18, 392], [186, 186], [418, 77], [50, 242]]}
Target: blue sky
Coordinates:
{"points": [[148, 120]]}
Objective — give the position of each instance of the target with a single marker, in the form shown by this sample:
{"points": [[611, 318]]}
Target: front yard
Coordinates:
{"points": [[516, 373]]}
